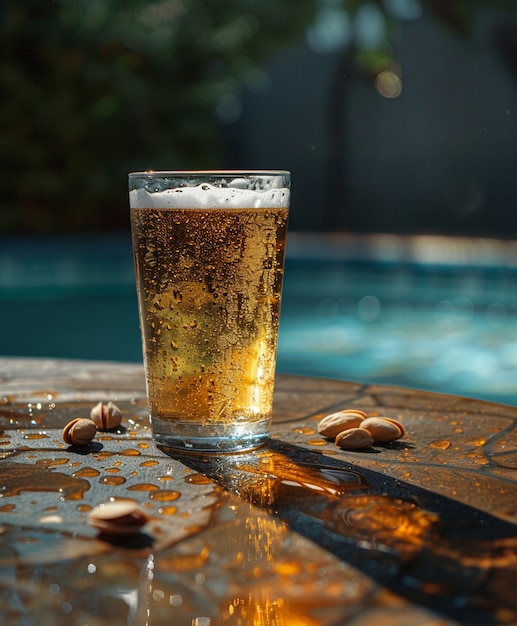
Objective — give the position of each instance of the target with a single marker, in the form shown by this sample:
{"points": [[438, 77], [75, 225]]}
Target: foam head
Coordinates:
{"points": [[235, 193]]}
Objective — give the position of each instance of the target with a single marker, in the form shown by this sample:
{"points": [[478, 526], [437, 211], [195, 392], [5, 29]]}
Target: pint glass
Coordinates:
{"points": [[209, 258]]}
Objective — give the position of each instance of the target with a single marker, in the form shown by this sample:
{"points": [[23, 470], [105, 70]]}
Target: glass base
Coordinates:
{"points": [[211, 438]]}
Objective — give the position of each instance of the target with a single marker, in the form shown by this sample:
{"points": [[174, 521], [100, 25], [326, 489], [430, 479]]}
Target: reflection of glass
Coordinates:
{"points": [[247, 569], [209, 253], [274, 589], [265, 609]]}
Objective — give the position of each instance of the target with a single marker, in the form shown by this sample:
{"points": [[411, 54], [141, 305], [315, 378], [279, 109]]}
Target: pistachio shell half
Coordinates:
{"points": [[118, 518], [106, 416]]}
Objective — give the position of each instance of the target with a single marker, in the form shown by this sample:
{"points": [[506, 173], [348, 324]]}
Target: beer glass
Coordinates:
{"points": [[209, 260]]}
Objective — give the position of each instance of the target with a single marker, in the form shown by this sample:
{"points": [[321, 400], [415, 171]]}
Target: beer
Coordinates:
{"points": [[209, 287]]}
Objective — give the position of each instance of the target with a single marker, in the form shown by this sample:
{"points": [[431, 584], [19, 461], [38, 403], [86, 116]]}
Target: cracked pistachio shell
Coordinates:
{"points": [[106, 416]]}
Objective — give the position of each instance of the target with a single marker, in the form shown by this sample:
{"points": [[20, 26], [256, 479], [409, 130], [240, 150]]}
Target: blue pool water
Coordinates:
{"points": [[436, 314]]}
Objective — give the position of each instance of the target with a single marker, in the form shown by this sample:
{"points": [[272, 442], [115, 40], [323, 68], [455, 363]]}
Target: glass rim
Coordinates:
{"points": [[222, 172]]}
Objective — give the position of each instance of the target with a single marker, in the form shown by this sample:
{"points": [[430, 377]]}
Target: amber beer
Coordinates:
{"points": [[209, 258]]}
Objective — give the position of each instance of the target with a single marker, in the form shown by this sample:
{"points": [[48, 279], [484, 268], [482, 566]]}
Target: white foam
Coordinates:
{"points": [[208, 197]]}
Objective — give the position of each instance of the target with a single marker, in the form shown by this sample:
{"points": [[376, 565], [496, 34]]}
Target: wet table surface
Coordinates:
{"points": [[419, 532]]}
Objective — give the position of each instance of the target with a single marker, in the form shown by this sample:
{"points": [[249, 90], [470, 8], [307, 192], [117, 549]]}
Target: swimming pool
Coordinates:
{"points": [[425, 312]]}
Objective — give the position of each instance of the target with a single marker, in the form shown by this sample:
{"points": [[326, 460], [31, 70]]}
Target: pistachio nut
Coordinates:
{"points": [[106, 416], [79, 432], [331, 425], [382, 430], [354, 439], [398, 424]]}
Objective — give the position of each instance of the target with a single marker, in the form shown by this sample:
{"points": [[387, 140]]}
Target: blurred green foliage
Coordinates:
{"points": [[93, 89]]}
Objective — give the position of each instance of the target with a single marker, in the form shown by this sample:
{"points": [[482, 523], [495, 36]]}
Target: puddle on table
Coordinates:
{"points": [[20, 477]]}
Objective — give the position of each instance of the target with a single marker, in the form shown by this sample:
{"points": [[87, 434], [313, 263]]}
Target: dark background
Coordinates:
{"points": [[440, 158], [92, 90]]}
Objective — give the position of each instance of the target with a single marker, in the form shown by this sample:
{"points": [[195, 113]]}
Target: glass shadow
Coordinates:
{"points": [[430, 549]]}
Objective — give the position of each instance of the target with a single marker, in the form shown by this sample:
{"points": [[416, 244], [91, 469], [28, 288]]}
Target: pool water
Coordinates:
{"points": [[420, 312], [450, 345]]}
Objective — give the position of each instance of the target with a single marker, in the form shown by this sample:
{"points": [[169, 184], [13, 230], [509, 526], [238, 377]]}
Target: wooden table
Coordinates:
{"points": [[420, 532]]}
